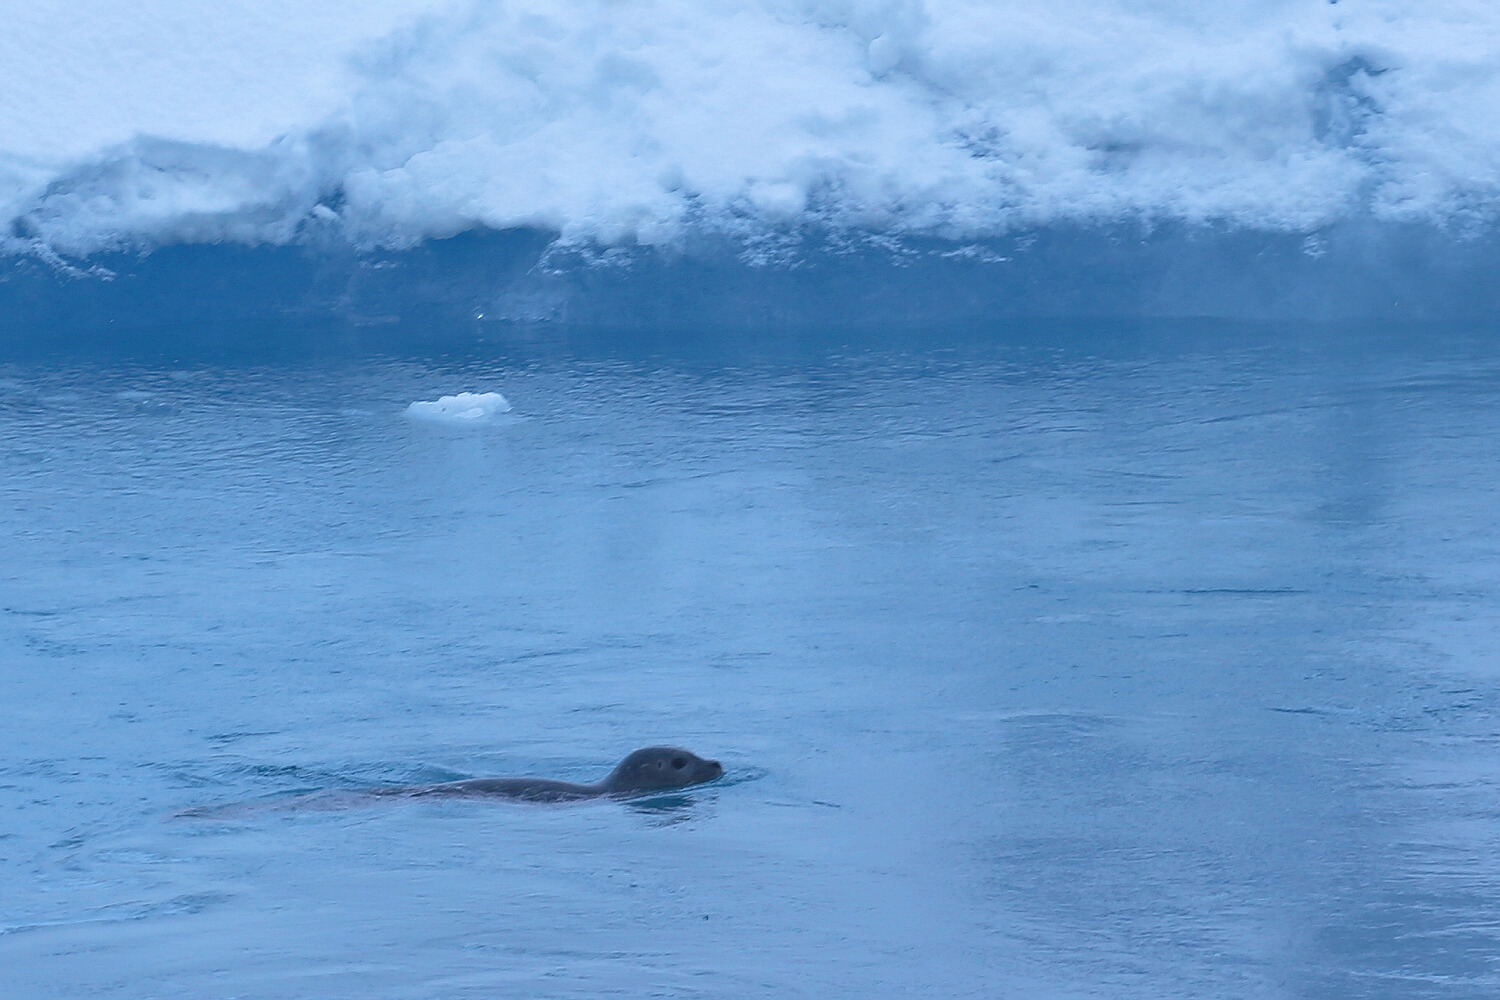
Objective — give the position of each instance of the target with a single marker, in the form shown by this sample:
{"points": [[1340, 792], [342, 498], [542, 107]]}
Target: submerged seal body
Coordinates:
{"points": [[652, 769]]}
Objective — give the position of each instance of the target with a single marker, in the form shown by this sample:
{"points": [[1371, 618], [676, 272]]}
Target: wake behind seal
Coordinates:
{"points": [[651, 769]]}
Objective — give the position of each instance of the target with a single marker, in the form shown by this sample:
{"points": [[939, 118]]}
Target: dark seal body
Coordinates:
{"points": [[652, 769]]}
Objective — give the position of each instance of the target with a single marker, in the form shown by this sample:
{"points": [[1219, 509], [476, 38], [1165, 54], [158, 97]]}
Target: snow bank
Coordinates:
{"points": [[387, 124]]}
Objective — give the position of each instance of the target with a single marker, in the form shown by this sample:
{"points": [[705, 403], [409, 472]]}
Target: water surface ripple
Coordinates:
{"points": [[1142, 665]]}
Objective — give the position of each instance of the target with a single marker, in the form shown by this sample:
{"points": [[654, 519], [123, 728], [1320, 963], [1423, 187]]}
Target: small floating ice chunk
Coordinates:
{"points": [[464, 408]]}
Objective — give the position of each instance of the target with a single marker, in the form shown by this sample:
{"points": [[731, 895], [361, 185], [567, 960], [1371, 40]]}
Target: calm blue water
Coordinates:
{"points": [[1071, 663]]}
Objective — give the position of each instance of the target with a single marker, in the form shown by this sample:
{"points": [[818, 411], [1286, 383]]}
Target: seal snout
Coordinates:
{"points": [[705, 770]]}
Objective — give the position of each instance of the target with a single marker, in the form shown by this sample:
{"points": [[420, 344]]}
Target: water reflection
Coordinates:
{"points": [[1152, 662]]}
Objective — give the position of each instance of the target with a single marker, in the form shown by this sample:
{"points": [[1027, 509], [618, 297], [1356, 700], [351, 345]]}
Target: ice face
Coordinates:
{"points": [[640, 123]]}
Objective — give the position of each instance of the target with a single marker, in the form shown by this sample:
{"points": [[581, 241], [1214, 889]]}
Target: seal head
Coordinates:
{"points": [[656, 768]]}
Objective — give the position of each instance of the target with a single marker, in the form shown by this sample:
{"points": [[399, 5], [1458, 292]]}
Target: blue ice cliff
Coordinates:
{"points": [[749, 162]]}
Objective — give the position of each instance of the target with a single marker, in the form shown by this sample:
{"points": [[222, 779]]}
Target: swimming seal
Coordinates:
{"points": [[652, 769]]}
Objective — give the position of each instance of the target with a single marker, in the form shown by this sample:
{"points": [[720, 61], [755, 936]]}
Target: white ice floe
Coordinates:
{"points": [[462, 409]]}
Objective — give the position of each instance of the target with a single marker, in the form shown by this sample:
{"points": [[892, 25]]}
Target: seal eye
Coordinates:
{"points": [[679, 762]]}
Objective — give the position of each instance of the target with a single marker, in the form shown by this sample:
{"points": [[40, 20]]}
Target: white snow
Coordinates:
{"points": [[391, 121]]}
